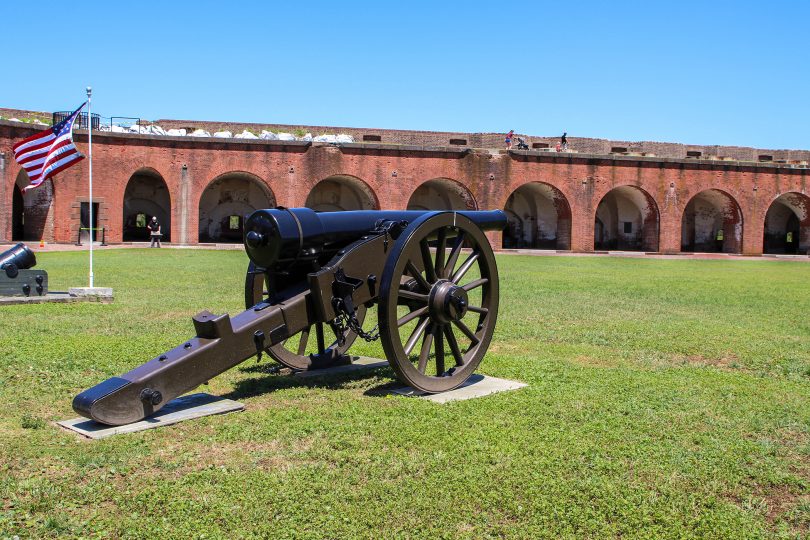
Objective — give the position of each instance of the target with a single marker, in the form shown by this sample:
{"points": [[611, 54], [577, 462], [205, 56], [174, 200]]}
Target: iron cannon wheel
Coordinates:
{"points": [[295, 352], [438, 302]]}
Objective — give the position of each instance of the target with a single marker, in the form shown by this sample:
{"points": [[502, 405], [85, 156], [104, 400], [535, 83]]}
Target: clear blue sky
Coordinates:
{"points": [[722, 72]]}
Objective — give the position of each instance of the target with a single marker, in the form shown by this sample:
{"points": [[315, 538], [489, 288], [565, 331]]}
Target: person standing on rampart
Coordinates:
{"points": [[509, 139]]}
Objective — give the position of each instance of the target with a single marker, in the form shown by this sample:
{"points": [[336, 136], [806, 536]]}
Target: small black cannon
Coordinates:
{"points": [[16, 276], [431, 275]]}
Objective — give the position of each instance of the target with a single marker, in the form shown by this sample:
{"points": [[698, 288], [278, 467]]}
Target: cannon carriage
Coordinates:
{"points": [[310, 283]]}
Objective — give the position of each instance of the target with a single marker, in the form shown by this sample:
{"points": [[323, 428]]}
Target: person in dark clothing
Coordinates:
{"points": [[154, 232], [564, 141]]}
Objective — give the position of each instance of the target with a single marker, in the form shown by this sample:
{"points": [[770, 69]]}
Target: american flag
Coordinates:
{"points": [[49, 151]]}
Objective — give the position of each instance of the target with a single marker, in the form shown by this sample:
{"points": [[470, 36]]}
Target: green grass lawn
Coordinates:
{"points": [[666, 399]]}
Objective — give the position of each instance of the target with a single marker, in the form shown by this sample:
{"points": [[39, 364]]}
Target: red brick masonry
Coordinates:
{"points": [[392, 173]]}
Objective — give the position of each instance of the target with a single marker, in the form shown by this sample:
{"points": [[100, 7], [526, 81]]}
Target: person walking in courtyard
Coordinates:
{"points": [[154, 232], [509, 139]]}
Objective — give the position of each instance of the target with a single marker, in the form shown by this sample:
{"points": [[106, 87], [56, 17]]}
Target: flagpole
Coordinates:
{"points": [[90, 159]]}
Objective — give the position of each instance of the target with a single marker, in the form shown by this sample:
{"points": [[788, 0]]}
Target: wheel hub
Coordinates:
{"points": [[448, 302]]}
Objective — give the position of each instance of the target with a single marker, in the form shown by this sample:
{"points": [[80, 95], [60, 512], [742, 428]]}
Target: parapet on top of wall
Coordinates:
{"points": [[583, 145]]}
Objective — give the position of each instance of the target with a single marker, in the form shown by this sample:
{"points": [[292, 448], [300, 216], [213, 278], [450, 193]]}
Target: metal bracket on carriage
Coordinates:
{"points": [[210, 326], [390, 228], [366, 257], [342, 289]]}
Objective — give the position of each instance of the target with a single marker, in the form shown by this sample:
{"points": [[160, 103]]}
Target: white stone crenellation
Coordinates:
{"points": [[153, 129]]}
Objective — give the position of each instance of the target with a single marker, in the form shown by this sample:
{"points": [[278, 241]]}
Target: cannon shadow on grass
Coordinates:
{"points": [[281, 379]]}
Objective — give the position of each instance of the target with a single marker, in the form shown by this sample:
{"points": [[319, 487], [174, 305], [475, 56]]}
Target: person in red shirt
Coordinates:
{"points": [[509, 139]]}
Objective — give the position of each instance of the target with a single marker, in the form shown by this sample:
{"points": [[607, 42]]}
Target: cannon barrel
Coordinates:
{"points": [[20, 257], [280, 237]]}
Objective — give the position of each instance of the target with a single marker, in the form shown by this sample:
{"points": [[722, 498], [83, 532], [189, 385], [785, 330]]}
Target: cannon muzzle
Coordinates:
{"points": [[20, 257]]}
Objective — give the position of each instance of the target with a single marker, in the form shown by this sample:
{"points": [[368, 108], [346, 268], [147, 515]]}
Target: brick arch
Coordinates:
{"points": [[539, 216], [150, 170], [342, 192], [627, 218], [230, 195], [442, 194], [265, 186], [786, 224], [705, 214], [147, 200]]}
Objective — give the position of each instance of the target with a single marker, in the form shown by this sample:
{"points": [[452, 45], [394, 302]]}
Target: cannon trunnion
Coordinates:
{"points": [[16, 275], [311, 281]]}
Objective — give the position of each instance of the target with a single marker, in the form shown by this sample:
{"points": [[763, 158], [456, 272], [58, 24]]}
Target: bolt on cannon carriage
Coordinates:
{"points": [[432, 275]]}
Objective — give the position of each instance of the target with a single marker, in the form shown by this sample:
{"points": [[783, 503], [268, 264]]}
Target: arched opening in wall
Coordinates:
{"points": [[341, 192], [225, 203], [146, 196], [626, 219], [442, 194], [787, 225], [712, 223], [538, 217], [17, 215], [31, 216]]}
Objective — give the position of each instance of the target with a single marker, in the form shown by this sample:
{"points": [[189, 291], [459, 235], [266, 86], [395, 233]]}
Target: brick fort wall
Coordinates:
{"points": [[391, 173]]}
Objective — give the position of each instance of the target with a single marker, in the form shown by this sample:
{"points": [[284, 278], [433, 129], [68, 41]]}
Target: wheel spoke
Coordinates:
{"points": [[466, 331], [411, 316], [302, 343], [420, 328], [474, 284], [476, 309], [465, 266], [454, 253], [424, 353], [451, 340], [427, 260], [410, 295], [439, 351], [417, 275], [441, 245]]}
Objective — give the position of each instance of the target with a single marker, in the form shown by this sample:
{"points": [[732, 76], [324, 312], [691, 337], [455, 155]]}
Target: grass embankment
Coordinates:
{"points": [[665, 399]]}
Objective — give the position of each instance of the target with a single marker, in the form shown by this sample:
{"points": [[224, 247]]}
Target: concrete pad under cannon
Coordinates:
{"points": [[476, 386], [57, 297], [177, 410], [359, 363], [100, 293]]}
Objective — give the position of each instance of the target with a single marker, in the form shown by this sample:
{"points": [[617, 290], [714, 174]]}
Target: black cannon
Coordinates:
{"points": [[432, 276], [16, 276]]}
